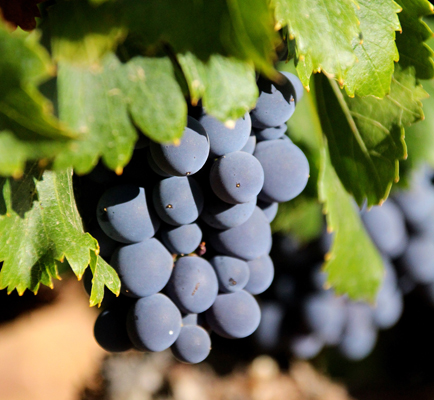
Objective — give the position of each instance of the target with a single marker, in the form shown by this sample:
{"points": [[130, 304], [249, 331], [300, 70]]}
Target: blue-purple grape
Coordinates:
{"points": [[187, 157], [234, 315], [236, 177], [124, 214], [193, 344], [154, 323], [182, 239], [232, 273], [178, 200], [144, 268], [261, 274], [193, 285]]}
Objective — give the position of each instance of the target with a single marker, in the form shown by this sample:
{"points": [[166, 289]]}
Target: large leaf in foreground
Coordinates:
{"points": [[102, 103], [28, 129], [366, 135], [41, 228], [227, 86], [353, 265], [377, 52], [324, 32]]}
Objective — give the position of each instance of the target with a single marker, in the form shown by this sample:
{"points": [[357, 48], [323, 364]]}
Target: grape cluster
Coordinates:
{"points": [[187, 227]]}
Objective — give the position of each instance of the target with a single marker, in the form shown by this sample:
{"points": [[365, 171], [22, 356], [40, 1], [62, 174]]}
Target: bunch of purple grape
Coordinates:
{"points": [[189, 234]]}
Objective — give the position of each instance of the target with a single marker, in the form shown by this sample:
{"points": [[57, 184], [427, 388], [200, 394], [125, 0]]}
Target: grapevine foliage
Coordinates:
{"points": [[119, 69]]}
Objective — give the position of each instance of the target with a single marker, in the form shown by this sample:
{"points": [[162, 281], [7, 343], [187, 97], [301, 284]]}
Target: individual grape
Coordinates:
{"points": [[106, 244], [276, 103], [221, 215], [306, 346], [236, 177], [325, 315], [234, 315], [155, 167], [189, 319], [247, 241], [273, 133], [296, 83], [182, 239], [418, 259], [110, 330], [123, 214], [251, 144], [154, 323], [144, 268], [286, 170], [360, 334], [261, 274], [269, 209], [178, 200], [188, 156], [268, 332], [388, 308], [386, 226], [193, 285], [193, 344], [224, 140], [232, 273]]}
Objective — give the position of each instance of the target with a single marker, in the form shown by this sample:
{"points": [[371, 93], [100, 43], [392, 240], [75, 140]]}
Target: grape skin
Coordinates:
{"points": [[237, 177], [232, 273], [178, 200], [193, 344], [182, 239], [247, 241], [123, 214], [144, 268], [224, 140], [261, 274], [188, 156], [154, 323], [193, 285], [234, 315], [286, 170]]}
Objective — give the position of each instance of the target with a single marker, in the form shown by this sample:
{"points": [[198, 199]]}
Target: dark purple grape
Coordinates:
{"points": [[124, 215], [154, 323], [193, 285], [234, 315], [261, 274], [224, 140], [110, 330], [269, 209], [187, 157], [178, 200], [296, 83], [221, 215], [286, 170], [247, 241], [273, 133], [251, 144], [276, 102], [232, 273], [144, 268], [193, 344], [236, 177], [182, 239]]}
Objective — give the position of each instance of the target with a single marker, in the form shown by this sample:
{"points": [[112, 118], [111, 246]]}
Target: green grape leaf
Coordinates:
{"points": [[41, 229], [102, 104], [324, 32], [82, 32], [155, 100], [227, 86], [28, 128], [353, 265], [376, 52], [92, 103], [366, 135], [103, 276], [413, 51]]}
